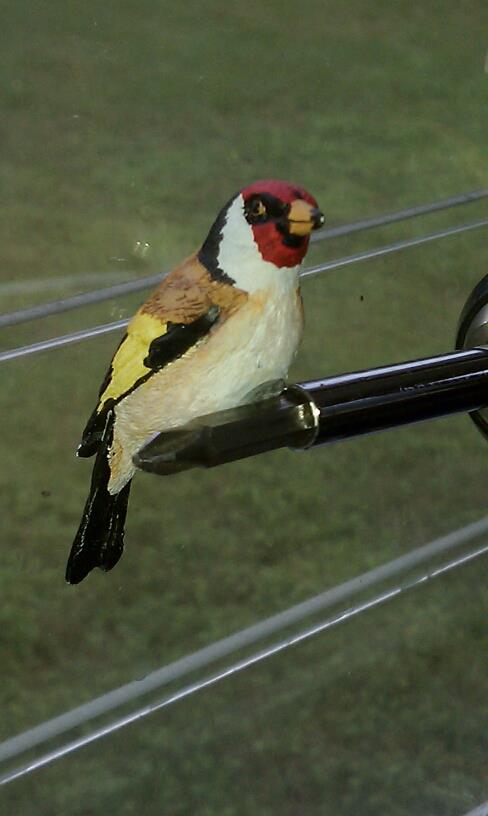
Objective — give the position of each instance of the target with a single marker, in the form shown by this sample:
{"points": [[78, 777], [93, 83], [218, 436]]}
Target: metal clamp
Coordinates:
{"points": [[290, 419]]}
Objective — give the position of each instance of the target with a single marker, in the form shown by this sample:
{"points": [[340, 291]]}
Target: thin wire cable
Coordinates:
{"points": [[482, 810], [234, 668], [377, 252], [19, 287], [400, 215], [77, 301], [232, 644], [95, 331], [137, 285], [63, 340]]}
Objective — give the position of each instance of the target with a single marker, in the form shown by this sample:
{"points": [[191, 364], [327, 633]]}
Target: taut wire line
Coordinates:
{"points": [[377, 252], [139, 284], [233, 669], [250, 636], [481, 810]]}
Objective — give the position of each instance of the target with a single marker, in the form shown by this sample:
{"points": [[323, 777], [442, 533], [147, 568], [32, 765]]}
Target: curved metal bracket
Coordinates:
{"points": [[473, 332]]}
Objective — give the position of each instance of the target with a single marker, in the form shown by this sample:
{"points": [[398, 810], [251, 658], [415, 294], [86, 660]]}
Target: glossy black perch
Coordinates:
{"points": [[327, 410]]}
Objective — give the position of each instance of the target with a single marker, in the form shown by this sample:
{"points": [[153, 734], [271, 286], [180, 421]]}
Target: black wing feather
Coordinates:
{"points": [[174, 343]]}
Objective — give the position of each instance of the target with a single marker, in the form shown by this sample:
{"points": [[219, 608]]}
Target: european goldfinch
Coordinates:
{"points": [[226, 321]]}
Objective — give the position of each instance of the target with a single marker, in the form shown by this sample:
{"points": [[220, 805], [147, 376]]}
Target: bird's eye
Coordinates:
{"points": [[257, 209]]}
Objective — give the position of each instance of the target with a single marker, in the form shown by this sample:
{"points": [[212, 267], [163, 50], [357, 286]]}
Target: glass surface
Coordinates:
{"points": [[124, 126]]}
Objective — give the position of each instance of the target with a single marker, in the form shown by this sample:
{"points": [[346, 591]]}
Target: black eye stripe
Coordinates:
{"points": [[275, 208]]}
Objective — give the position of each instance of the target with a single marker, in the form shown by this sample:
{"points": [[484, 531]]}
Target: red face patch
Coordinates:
{"points": [[274, 243]]}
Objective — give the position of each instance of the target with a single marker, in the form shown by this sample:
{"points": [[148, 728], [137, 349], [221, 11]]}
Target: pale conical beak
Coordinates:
{"points": [[303, 218]]}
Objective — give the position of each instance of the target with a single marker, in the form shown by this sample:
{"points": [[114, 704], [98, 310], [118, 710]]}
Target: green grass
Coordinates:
{"points": [[125, 123]]}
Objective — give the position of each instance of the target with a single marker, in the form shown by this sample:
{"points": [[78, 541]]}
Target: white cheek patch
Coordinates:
{"points": [[239, 256], [237, 245]]}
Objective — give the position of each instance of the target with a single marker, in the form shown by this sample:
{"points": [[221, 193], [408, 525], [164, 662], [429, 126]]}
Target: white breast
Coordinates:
{"points": [[254, 346]]}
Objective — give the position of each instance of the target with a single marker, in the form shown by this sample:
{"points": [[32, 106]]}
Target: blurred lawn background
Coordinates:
{"points": [[125, 122]]}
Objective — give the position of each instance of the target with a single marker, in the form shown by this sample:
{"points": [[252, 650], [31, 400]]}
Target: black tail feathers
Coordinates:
{"points": [[99, 541]]}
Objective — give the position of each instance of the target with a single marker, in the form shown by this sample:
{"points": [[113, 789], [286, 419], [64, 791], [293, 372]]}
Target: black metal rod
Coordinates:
{"points": [[391, 396], [327, 410]]}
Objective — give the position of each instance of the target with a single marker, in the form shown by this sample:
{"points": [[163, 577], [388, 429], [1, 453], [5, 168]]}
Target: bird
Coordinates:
{"points": [[222, 325]]}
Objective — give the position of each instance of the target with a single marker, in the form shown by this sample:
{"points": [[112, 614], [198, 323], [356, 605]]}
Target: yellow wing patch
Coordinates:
{"points": [[127, 364]]}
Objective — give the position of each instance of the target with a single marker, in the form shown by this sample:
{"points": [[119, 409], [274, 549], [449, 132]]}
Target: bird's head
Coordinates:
{"points": [[262, 230]]}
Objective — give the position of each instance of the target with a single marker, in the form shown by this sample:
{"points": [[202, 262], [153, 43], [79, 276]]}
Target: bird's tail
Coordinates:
{"points": [[99, 541]]}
